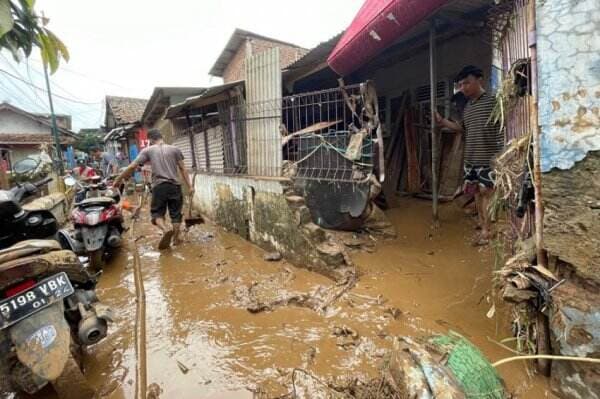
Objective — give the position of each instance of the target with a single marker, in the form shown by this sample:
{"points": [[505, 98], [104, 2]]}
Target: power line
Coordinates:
{"points": [[28, 99], [43, 90], [22, 77]]}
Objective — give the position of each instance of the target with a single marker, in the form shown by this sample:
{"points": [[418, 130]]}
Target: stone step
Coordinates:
{"points": [[314, 232], [331, 253], [295, 200]]}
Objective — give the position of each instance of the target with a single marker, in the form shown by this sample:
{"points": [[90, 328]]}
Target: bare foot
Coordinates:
{"points": [[165, 241]]}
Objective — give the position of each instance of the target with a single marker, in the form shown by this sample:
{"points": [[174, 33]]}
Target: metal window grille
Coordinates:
{"points": [[319, 136]]}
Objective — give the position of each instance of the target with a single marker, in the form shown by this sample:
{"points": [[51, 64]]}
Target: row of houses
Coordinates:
{"points": [[22, 133], [285, 148]]}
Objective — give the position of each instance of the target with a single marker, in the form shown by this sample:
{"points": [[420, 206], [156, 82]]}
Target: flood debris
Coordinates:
{"points": [[184, 369], [273, 257]]}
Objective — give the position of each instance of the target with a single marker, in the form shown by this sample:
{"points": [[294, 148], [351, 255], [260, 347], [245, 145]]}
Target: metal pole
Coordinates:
{"points": [[537, 171], [434, 135], [59, 159]]}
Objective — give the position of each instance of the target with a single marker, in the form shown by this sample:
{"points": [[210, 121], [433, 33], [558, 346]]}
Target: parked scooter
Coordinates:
{"points": [[97, 220], [35, 220], [49, 312]]}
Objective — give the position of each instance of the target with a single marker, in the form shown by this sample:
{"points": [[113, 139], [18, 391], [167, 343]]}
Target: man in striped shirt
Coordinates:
{"points": [[483, 141]]}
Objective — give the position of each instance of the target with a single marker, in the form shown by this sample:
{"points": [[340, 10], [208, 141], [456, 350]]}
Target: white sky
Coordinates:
{"points": [[127, 47]]}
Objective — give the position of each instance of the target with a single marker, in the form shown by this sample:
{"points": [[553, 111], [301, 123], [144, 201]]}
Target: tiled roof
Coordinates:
{"points": [[32, 138], [126, 109]]}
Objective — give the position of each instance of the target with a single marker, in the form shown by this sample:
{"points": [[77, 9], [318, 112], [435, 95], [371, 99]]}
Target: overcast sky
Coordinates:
{"points": [[127, 47]]}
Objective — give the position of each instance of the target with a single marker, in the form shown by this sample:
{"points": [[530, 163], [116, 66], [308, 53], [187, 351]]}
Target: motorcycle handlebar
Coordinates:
{"points": [[45, 180]]}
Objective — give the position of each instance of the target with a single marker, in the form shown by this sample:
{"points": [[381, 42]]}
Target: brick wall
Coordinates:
{"points": [[236, 68]]}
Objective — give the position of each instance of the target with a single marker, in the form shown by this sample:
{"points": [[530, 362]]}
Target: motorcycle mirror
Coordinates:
{"points": [[70, 181], [25, 166]]}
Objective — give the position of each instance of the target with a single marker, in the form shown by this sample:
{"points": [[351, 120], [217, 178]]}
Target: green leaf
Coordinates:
{"points": [[59, 45], [6, 19], [48, 52]]}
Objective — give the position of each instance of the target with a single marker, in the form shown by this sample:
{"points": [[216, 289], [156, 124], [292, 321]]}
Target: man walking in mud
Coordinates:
{"points": [[166, 162], [483, 141]]}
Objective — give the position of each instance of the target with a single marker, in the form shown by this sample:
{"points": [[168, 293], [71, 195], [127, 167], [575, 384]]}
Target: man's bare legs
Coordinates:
{"points": [[482, 199], [177, 234], [160, 222], [165, 241]]}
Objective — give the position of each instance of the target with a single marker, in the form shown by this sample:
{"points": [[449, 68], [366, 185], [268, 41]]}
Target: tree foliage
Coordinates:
{"points": [[21, 30], [88, 139]]}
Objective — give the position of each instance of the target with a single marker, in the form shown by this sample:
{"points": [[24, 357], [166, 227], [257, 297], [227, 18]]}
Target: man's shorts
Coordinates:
{"points": [[479, 176], [167, 196]]}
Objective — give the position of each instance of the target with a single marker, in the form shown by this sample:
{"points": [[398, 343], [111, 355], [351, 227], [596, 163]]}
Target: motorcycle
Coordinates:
{"points": [[37, 219], [49, 313], [97, 220]]}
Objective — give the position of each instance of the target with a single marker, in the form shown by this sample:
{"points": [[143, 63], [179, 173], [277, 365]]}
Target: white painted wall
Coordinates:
{"points": [[11, 122]]}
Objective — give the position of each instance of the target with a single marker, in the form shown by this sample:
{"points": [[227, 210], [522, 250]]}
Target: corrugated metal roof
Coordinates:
{"points": [[235, 41], [161, 99], [383, 23], [206, 98]]}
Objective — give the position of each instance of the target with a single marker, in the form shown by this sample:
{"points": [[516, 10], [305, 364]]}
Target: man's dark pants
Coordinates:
{"points": [[167, 196]]}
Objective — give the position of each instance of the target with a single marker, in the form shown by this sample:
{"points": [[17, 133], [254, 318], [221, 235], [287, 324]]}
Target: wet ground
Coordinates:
{"points": [[202, 342]]}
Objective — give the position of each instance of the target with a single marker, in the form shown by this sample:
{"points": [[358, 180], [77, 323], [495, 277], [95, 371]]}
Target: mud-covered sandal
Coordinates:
{"points": [[165, 241]]}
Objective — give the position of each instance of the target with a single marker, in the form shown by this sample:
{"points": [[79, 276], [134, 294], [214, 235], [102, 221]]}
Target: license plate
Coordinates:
{"points": [[43, 294]]}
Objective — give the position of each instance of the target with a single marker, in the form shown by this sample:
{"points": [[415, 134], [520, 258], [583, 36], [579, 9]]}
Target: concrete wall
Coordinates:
{"points": [[236, 68], [260, 211], [11, 122], [568, 42]]}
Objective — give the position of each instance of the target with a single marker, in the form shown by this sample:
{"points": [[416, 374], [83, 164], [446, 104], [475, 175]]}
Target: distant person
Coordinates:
{"points": [[82, 171], [108, 162], [166, 162], [483, 142]]}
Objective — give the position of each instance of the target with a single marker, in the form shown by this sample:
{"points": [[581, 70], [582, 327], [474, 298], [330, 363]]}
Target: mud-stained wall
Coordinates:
{"points": [[572, 216], [568, 43], [572, 234], [259, 210]]}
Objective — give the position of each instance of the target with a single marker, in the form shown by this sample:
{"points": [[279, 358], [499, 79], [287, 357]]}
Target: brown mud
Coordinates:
{"points": [[203, 342]]}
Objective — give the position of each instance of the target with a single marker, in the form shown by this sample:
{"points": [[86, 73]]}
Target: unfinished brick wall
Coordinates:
{"points": [[236, 68]]}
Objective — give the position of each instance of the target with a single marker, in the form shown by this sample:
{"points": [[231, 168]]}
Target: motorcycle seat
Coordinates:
{"points": [[96, 201], [47, 202], [28, 247]]}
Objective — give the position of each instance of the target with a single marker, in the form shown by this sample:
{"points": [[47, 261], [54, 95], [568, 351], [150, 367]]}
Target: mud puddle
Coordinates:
{"points": [[203, 342]]}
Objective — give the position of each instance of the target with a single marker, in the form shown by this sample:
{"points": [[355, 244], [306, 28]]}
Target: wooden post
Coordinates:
{"points": [[191, 138], [537, 170], [434, 135]]}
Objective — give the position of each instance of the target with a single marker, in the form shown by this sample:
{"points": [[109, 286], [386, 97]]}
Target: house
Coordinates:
{"points": [[22, 133], [410, 53], [230, 65], [532, 60], [126, 136], [160, 100], [232, 143]]}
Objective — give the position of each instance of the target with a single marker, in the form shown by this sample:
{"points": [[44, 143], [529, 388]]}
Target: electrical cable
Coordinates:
{"points": [[45, 91]]}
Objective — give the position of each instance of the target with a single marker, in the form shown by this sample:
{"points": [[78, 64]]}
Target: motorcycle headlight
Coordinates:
{"points": [[34, 220]]}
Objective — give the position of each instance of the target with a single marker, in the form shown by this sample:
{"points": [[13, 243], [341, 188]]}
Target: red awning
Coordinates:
{"points": [[378, 24]]}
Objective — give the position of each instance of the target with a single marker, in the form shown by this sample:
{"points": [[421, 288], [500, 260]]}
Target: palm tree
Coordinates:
{"points": [[21, 29]]}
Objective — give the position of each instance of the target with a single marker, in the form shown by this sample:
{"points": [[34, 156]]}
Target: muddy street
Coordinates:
{"points": [[203, 342]]}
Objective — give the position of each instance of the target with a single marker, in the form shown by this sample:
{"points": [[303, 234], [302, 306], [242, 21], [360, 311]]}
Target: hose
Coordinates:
{"points": [[550, 357], [140, 320]]}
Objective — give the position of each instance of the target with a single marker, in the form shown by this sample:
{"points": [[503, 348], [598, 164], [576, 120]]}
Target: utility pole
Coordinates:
{"points": [[58, 160]]}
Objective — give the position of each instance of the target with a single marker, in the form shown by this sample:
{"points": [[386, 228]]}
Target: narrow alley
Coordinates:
{"points": [[203, 342]]}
